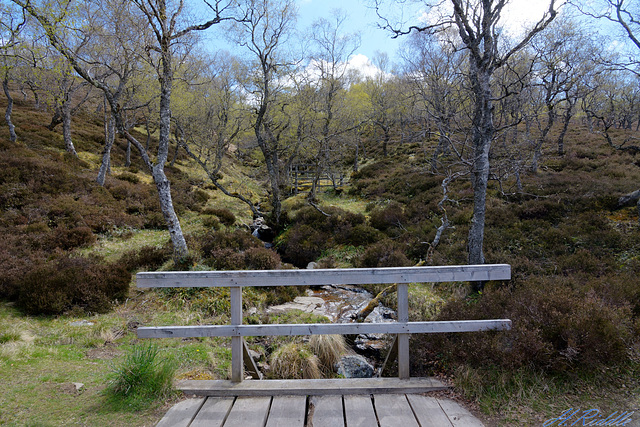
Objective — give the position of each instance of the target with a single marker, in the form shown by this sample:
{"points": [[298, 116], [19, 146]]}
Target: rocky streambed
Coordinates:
{"points": [[341, 304]]}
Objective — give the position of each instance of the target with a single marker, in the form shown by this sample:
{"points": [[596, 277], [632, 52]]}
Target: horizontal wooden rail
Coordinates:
{"points": [[323, 329], [345, 276], [236, 280]]}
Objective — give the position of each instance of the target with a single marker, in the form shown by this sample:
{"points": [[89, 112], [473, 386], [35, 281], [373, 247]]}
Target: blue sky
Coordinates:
{"points": [[362, 19]]}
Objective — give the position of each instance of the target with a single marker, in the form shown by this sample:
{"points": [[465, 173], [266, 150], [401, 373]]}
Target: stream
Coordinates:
{"points": [[340, 304]]}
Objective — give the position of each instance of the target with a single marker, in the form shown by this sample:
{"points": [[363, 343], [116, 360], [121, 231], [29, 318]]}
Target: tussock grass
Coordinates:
{"points": [[329, 349], [294, 361], [142, 378]]}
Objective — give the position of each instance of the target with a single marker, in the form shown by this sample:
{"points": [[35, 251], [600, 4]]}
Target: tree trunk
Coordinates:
{"points": [[127, 159], [483, 133], [105, 166], [566, 119], [66, 129], [180, 250], [7, 115]]}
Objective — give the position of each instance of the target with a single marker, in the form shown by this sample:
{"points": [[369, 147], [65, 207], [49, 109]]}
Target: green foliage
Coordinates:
{"points": [[141, 379]]}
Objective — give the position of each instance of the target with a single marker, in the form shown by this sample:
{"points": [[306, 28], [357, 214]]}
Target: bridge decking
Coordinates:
{"points": [[383, 410]]}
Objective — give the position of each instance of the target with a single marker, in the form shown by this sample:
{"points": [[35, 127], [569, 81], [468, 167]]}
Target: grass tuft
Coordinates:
{"points": [[142, 378], [295, 361]]}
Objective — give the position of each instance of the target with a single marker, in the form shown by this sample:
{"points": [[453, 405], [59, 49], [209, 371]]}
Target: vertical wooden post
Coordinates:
{"points": [[403, 339], [237, 367]]}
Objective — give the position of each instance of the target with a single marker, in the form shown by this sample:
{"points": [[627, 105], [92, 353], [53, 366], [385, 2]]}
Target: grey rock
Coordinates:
{"points": [[81, 323], [312, 266], [355, 367]]}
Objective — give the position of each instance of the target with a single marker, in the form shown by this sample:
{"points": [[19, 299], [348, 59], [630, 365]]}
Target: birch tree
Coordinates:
{"points": [[264, 32], [478, 24]]}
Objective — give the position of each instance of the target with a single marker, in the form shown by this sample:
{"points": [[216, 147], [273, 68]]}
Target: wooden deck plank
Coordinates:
{"points": [[359, 412], [249, 412], [287, 411], [458, 415], [393, 410], [326, 411], [428, 411], [181, 413], [309, 387], [214, 412]]}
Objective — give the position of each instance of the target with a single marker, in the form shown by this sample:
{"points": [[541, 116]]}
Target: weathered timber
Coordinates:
{"points": [[237, 363], [403, 338], [377, 410], [394, 410], [309, 387], [249, 412], [326, 411], [346, 276], [458, 415], [214, 412], [287, 411], [428, 411], [182, 413], [323, 329], [249, 363], [358, 411]]}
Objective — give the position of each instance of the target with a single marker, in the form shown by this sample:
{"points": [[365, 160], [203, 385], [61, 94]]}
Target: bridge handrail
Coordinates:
{"points": [[236, 280]]}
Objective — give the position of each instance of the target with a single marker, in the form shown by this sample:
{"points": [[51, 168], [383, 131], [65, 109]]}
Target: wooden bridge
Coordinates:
{"points": [[382, 410], [337, 402]]}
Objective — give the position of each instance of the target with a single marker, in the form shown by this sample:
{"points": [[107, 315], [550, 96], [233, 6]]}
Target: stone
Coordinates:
{"points": [[81, 323], [78, 386], [314, 305], [254, 355], [312, 266], [353, 366]]}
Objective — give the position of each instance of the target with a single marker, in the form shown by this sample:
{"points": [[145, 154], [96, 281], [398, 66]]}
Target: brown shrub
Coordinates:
{"points": [[385, 253], [261, 259], [225, 216], [391, 216], [53, 287], [70, 238], [557, 325]]}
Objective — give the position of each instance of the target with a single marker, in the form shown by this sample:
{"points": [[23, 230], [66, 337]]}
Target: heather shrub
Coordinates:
{"points": [[237, 240], [70, 238], [225, 216], [212, 222], [302, 244], [558, 324], [385, 253], [53, 287], [146, 257], [391, 216], [129, 177], [261, 259], [313, 232]]}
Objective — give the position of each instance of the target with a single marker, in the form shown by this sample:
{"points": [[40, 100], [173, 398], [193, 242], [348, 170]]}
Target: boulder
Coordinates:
{"points": [[353, 366]]}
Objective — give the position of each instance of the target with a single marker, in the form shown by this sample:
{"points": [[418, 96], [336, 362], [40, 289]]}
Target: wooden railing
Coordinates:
{"points": [[236, 280]]}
